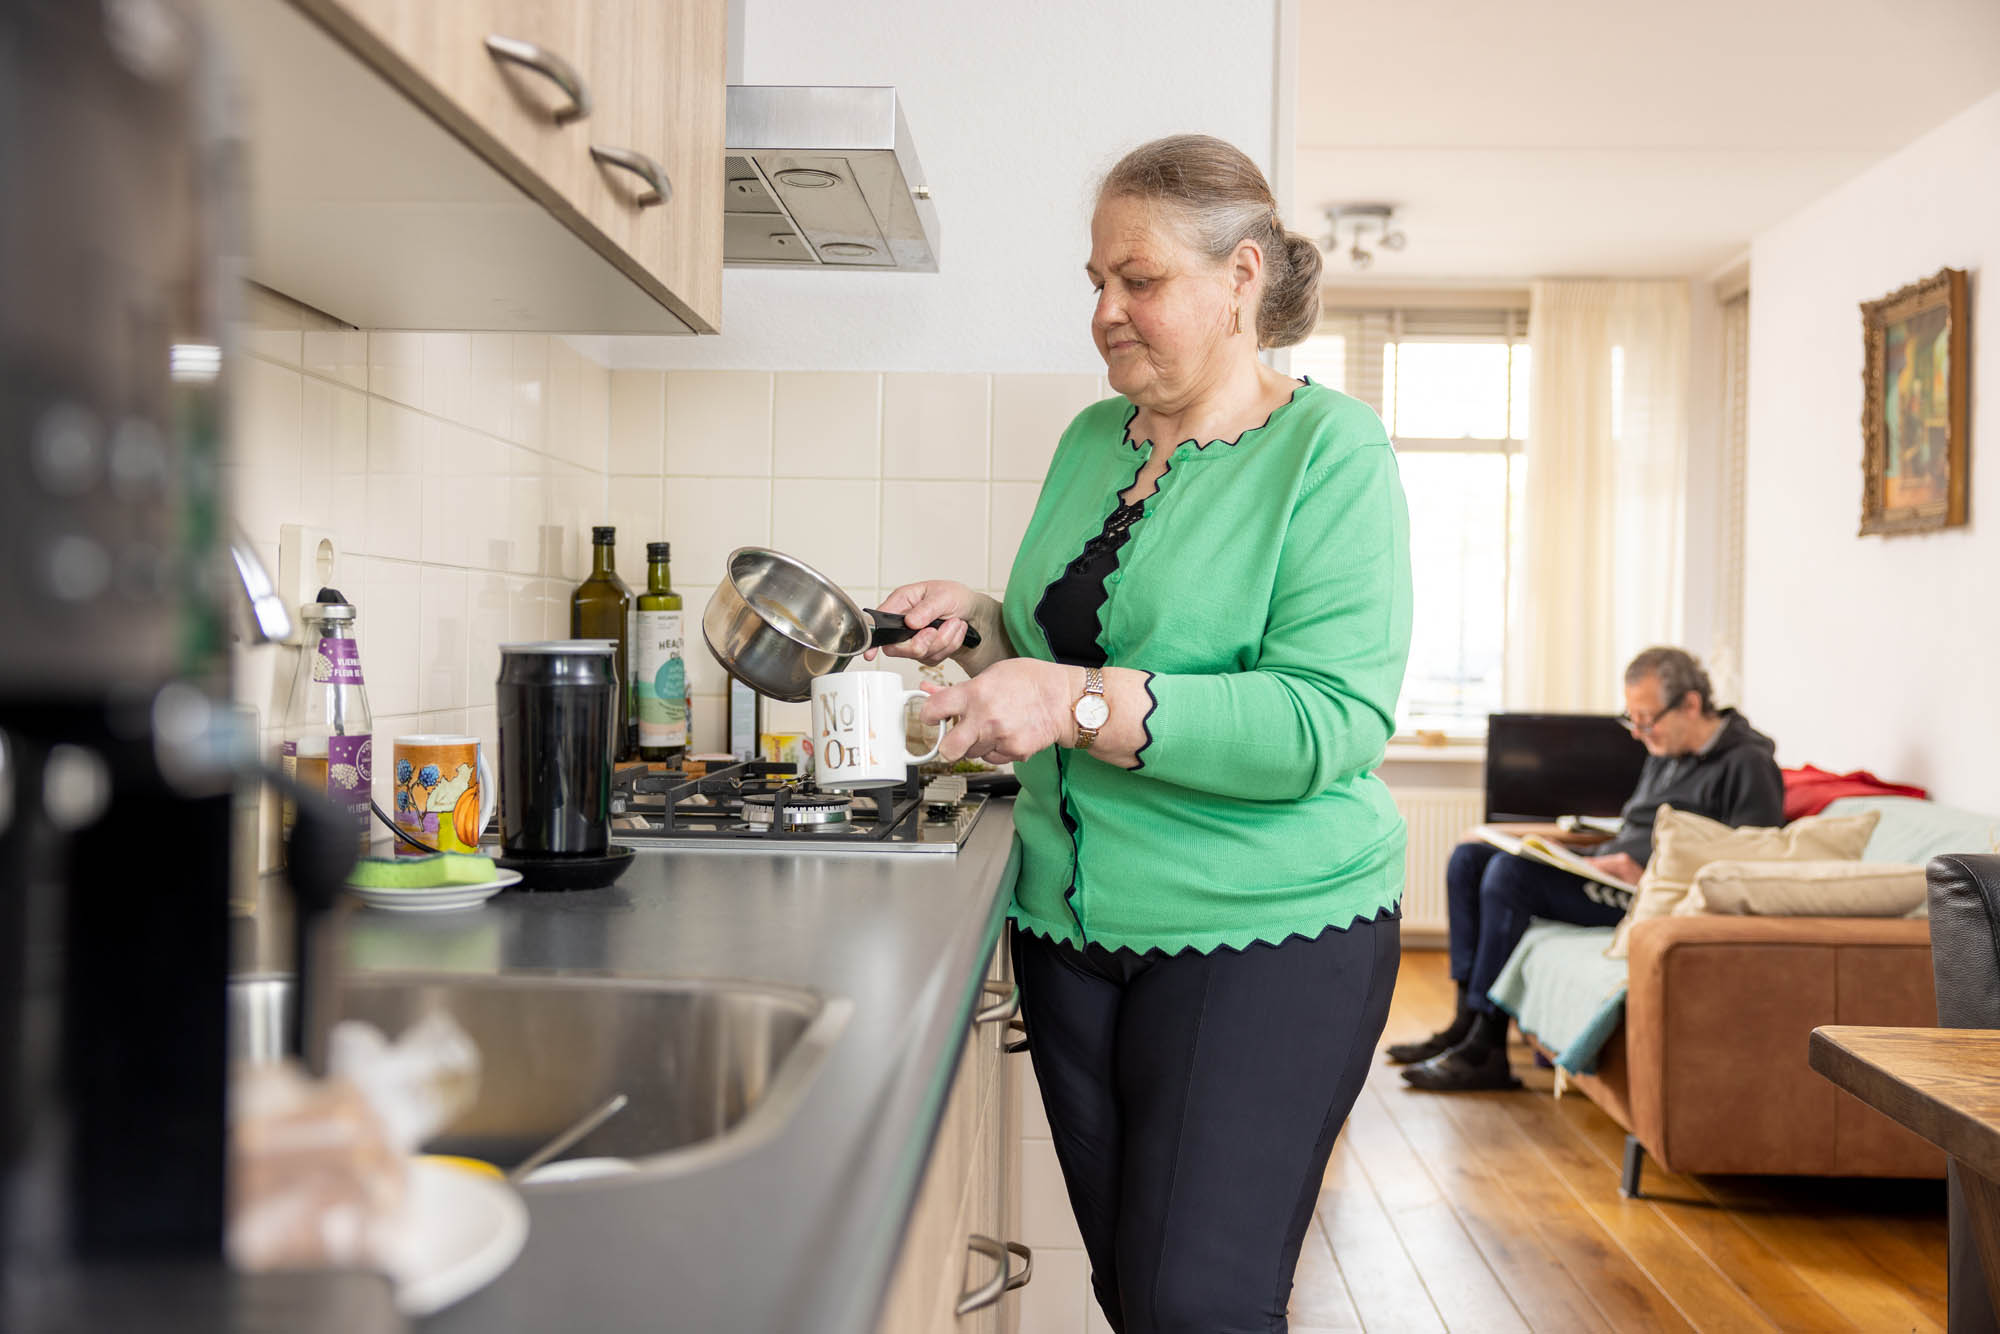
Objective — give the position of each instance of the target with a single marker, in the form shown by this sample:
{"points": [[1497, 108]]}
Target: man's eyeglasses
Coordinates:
{"points": [[1637, 728]]}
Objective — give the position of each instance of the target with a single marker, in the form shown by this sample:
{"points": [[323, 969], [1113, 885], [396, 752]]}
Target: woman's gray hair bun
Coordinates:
{"points": [[1221, 200]]}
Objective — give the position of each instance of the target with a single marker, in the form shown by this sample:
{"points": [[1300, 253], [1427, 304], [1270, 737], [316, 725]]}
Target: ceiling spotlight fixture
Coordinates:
{"points": [[1353, 224]]}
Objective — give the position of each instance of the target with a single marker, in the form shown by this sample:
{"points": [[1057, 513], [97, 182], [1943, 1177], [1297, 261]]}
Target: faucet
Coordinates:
{"points": [[270, 621]]}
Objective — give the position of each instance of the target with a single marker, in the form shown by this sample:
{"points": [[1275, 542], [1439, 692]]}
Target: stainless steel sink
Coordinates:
{"points": [[711, 1068]]}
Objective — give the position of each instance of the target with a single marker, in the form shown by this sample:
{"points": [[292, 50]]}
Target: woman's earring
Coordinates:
{"points": [[1235, 320]]}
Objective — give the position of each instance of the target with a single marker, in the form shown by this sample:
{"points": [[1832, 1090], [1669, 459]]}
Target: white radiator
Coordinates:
{"points": [[1438, 818]]}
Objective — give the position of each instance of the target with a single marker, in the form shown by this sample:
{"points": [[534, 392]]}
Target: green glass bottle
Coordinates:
{"points": [[601, 608], [659, 677]]}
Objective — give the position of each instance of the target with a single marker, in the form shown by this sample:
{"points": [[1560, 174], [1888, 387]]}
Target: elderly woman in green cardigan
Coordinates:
{"points": [[1194, 672]]}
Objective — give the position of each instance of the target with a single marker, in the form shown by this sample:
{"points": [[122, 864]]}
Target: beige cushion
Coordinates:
{"points": [[1683, 843], [1805, 889]]}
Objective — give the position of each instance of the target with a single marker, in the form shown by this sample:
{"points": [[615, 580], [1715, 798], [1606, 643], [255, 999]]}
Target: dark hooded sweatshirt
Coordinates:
{"points": [[1735, 780]]}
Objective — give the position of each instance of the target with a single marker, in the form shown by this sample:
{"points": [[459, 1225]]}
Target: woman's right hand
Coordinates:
{"points": [[921, 604]]}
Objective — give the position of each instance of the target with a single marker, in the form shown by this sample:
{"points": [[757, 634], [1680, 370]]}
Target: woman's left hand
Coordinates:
{"points": [[1013, 709]]}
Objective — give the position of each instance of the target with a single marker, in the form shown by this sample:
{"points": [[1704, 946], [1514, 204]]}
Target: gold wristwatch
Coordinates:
{"points": [[1091, 710]]}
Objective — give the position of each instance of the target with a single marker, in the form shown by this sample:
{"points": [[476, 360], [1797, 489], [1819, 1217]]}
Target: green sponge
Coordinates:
{"points": [[432, 872]]}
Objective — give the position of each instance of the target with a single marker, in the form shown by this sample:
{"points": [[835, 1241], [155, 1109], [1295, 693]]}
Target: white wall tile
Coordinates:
{"points": [[719, 423], [638, 422], [396, 367], [1054, 1302], [524, 610], [827, 424], [832, 526], [447, 374], [1012, 505], [933, 530], [487, 609], [711, 721], [705, 674], [1030, 413], [395, 516], [593, 424], [490, 388], [333, 431], [1094, 1321], [1046, 1219], [565, 411], [935, 425], [636, 511], [528, 400], [273, 326], [398, 438], [390, 615], [338, 354], [441, 639], [708, 517], [442, 722], [524, 510], [268, 416]]}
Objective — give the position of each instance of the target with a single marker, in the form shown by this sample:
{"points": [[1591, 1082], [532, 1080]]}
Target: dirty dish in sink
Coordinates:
{"points": [[458, 1232]]}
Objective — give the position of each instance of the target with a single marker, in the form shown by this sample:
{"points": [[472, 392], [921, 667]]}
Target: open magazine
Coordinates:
{"points": [[1547, 849]]}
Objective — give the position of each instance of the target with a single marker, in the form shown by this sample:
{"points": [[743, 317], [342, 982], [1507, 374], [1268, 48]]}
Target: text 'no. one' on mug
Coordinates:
{"points": [[857, 730]]}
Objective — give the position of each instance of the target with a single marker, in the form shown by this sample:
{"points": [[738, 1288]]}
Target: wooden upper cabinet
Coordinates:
{"points": [[578, 105]]}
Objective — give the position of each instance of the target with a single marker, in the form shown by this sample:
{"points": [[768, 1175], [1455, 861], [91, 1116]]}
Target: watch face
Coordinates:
{"points": [[1092, 712]]}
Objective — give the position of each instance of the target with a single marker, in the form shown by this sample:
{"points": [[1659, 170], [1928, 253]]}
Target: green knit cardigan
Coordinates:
{"points": [[1266, 592]]}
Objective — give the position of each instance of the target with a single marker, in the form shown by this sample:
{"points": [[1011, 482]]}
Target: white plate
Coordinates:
{"points": [[459, 1231], [438, 898]]}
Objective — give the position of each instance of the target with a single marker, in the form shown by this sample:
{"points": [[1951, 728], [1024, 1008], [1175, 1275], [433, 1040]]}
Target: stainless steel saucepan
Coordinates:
{"points": [[775, 623]]}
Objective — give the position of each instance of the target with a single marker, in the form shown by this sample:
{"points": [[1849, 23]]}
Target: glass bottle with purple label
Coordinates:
{"points": [[328, 736]]}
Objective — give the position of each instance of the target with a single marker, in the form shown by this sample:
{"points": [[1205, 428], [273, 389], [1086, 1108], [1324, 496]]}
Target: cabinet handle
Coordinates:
{"points": [[989, 1292], [1003, 1009], [550, 66], [1021, 1279], [647, 170], [1019, 1044]]}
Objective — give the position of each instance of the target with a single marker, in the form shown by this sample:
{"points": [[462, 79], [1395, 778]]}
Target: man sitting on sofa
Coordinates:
{"points": [[1712, 763]]}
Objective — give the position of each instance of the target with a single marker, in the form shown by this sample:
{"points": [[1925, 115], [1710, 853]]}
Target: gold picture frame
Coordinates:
{"points": [[1913, 408]]}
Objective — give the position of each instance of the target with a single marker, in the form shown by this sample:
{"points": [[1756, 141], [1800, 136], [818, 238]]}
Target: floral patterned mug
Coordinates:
{"points": [[444, 792]]}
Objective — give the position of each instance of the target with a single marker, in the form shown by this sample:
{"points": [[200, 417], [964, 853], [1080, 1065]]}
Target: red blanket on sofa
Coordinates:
{"points": [[1808, 790]]}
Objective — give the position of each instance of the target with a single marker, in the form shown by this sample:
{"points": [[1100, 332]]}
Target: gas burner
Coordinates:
{"points": [[804, 808]]}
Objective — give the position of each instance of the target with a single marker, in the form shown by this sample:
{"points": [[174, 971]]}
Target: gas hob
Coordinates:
{"points": [[762, 804]]}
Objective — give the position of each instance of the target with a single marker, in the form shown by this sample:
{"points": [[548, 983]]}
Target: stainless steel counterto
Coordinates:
{"points": [[799, 1231]]}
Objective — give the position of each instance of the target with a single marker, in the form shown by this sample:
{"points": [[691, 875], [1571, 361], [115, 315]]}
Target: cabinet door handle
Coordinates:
{"points": [[1021, 1279], [986, 1294], [647, 170], [1019, 1044], [1003, 1009], [550, 66]]}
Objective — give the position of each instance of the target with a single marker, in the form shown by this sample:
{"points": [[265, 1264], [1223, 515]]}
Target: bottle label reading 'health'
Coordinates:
{"points": [[659, 685]]}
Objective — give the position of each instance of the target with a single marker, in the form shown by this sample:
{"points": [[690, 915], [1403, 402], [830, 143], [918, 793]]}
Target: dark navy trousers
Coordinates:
{"points": [[1493, 894], [1194, 1100]]}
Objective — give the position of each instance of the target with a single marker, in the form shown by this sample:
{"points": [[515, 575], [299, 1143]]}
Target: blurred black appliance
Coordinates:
{"points": [[115, 598], [1543, 765]]}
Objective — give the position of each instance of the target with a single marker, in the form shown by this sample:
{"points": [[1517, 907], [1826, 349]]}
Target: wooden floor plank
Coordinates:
{"points": [[1467, 1294], [1545, 1294], [1699, 1290], [1381, 1280], [1320, 1301]]}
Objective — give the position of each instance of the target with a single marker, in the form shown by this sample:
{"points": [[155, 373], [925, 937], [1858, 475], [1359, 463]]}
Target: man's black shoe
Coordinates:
{"points": [[1464, 1069], [1437, 1044]]}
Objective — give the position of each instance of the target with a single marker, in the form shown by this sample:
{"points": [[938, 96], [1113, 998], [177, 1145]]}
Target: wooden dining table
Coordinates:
{"points": [[1942, 1083]]}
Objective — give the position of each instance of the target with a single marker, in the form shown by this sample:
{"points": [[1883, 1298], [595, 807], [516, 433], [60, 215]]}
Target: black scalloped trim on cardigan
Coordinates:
{"points": [[1145, 724], [1132, 416], [1391, 913]]}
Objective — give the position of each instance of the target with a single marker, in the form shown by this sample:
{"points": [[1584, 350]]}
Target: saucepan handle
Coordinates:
{"points": [[892, 629]]}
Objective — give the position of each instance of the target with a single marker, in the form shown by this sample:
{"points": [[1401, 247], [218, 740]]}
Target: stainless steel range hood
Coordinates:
{"points": [[824, 178]]}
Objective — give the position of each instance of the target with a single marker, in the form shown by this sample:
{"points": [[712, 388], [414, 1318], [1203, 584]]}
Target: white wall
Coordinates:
{"points": [[1873, 652], [1015, 110]]}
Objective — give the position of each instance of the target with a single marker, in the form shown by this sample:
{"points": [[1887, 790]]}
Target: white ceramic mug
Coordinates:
{"points": [[857, 730]]}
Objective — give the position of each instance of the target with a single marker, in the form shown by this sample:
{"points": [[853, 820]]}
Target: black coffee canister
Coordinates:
{"points": [[556, 703]]}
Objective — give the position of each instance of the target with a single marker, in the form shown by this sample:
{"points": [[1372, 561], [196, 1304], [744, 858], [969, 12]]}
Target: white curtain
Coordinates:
{"points": [[1601, 521]]}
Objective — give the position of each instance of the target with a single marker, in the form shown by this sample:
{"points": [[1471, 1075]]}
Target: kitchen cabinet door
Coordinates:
{"points": [[520, 113]]}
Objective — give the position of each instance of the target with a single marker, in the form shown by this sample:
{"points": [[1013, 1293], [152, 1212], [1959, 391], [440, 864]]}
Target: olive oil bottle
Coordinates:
{"points": [[601, 608], [659, 679]]}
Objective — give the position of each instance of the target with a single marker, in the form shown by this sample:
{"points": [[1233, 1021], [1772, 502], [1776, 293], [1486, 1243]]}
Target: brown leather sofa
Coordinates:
{"points": [[1708, 1071]]}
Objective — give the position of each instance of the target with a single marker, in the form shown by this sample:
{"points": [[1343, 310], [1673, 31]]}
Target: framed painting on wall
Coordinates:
{"points": [[1913, 412]]}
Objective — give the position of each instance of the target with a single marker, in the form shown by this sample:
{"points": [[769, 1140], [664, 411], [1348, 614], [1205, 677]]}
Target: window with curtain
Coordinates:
{"points": [[1452, 387]]}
